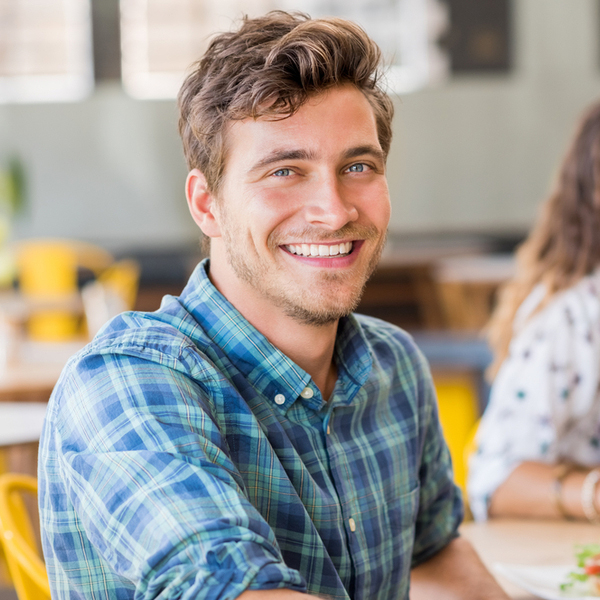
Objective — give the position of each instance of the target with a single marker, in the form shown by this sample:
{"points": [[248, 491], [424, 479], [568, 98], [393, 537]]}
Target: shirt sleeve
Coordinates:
{"points": [[546, 384], [440, 502], [147, 471]]}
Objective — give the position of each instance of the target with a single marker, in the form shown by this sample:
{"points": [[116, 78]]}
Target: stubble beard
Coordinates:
{"points": [[336, 295]]}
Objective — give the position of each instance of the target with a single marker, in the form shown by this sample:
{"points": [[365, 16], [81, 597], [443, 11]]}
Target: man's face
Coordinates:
{"points": [[303, 209]]}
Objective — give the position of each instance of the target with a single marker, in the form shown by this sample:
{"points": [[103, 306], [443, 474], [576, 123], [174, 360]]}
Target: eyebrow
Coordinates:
{"points": [[282, 155], [362, 150], [279, 155]]}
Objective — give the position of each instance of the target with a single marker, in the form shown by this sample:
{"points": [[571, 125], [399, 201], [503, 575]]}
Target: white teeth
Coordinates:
{"points": [[320, 249]]}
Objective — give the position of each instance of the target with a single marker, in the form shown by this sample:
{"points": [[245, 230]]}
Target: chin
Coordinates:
{"points": [[324, 312], [315, 318]]}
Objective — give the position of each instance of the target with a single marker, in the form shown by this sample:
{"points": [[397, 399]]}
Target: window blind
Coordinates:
{"points": [[160, 39], [45, 50]]}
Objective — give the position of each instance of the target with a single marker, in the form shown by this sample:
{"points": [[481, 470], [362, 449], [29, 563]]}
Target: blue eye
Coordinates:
{"points": [[358, 168], [283, 173]]}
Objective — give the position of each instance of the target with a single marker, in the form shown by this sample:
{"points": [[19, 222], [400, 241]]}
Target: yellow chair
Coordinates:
{"points": [[122, 277], [25, 564], [471, 446], [47, 273], [114, 291], [458, 409]]}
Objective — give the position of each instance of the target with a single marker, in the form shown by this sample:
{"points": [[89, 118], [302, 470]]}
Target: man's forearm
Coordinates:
{"points": [[455, 573], [281, 594]]}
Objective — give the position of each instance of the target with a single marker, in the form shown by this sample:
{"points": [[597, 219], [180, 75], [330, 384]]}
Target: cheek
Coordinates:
{"points": [[386, 212], [376, 205], [270, 207], [263, 215]]}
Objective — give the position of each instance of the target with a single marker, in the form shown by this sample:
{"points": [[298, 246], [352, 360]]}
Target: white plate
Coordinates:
{"points": [[540, 581]]}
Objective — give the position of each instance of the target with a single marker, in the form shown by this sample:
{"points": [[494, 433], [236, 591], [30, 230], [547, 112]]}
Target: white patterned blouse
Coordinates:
{"points": [[545, 401]]}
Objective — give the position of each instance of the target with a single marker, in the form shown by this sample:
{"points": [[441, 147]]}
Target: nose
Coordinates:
{"points": [[330, 205]]}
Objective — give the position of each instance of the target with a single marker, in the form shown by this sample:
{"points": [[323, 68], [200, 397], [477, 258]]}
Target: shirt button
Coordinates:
{"points": [[307, 393], [279, 399], [352, 524]]}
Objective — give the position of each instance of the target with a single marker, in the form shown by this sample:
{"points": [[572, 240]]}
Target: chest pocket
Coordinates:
{"points": [[402, 513]]}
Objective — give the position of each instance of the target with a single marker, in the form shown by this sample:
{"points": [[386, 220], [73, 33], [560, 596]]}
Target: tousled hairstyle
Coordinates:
{"points": [[564, 244], [269, 67]]}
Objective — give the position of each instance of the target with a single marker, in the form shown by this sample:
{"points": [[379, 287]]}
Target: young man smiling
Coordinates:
{"points": [[298, 223], [253, 438]]}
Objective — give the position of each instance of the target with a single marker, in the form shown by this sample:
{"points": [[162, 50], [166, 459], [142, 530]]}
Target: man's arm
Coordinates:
{"points": [[454, 573], [150, 490], [275, 595]]}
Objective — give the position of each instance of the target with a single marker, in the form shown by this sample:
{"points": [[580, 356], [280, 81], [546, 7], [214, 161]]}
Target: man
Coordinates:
{"points": [[253, 438]]}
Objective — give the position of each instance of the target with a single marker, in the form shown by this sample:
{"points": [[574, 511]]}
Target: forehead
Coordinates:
{"points": [[327, 123]]}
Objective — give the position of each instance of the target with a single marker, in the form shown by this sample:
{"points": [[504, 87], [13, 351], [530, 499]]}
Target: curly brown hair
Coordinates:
{"points": [[269, 67], [564, 244]]}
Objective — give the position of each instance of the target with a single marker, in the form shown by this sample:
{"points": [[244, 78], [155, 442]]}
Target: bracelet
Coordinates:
{"points": [[562, 472], [588, 491]]}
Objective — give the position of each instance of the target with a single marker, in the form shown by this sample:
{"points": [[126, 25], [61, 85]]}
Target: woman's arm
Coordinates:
{"points": [[536, 489]]}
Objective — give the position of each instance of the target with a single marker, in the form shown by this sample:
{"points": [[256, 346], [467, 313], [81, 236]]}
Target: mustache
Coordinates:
{"points": [[314, 235]]}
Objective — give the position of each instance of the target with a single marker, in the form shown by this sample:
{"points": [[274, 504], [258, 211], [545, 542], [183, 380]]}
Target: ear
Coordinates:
{"points": [[201, 203]]}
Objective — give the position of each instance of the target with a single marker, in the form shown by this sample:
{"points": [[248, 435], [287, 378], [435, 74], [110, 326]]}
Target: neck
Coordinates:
{"points": [[309, 346]]}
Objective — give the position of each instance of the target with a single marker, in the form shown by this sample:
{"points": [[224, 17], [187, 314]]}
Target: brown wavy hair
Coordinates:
{"points": [[269, 67], [564, 244]]}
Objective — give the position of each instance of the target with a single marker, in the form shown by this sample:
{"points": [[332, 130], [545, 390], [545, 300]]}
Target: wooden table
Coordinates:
{"points": [[531, 542], [31, 375], [26, 382], [20, 429]]}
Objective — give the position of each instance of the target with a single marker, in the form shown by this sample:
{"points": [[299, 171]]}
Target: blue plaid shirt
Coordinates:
{"points": [[184, 456]]}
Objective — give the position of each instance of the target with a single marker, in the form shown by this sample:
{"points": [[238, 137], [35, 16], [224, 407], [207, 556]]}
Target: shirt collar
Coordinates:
{"points": [[265, 367], [353, 356]]}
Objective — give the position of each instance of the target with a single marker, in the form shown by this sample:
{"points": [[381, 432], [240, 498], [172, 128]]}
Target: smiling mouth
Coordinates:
{"points": [[320, 250]]}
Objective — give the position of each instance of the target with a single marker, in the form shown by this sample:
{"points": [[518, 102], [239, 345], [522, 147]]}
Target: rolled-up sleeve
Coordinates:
{"points": [[148, 474]]}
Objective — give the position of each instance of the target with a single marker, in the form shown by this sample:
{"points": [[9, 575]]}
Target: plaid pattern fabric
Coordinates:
{"points": [[184, 456]]}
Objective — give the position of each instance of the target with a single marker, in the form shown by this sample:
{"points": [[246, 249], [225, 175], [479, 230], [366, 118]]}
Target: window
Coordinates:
{"points": [[45, 50], [162, 38]]}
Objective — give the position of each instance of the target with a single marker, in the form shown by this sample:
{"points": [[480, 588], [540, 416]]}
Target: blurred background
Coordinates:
{"points": [[93, 217], [486, 91], [473, 152]]}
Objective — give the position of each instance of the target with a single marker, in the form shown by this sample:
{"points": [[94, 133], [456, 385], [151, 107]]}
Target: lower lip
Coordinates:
{"points": [[329, 262]]}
